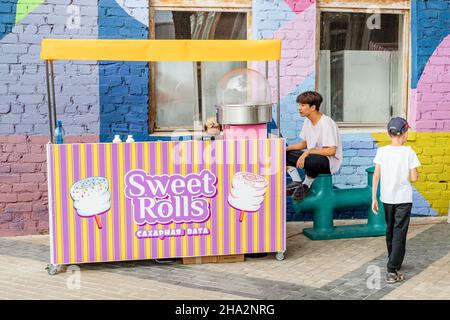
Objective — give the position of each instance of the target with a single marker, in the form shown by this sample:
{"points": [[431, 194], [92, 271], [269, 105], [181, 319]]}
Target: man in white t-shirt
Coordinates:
{"points": [[319, 152], [395, 166]]}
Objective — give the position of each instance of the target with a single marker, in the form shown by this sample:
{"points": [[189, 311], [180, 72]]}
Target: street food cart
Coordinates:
{"points": [[163, 199]]}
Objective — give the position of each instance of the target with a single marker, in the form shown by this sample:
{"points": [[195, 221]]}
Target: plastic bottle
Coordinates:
{"points": [[130, 138], [117, 138], [59, 133]]}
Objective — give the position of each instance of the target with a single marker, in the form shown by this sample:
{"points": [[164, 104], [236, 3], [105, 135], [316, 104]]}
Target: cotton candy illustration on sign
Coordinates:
{"points": [[247, 192], [91, 198]]}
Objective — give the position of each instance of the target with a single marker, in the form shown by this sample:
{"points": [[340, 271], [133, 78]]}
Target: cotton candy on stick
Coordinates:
{"points": [[91, 198], [247, 192]]}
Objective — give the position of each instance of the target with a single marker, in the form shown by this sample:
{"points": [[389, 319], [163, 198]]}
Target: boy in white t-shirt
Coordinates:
{"points": [[320, 148], [394, 164]]}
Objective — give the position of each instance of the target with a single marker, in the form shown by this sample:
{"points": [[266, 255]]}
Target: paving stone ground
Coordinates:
{"points": [[335, 269]]}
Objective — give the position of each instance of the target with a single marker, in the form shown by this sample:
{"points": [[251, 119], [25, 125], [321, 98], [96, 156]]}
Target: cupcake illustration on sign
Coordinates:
{"points": [[247, 192], [91, 198]]}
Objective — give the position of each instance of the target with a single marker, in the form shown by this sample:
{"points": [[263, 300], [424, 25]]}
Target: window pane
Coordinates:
{"points": [[360, 66], [195, 96]]}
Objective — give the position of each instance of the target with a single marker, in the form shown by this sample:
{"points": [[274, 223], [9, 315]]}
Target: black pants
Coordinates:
{"points": [[397, 221], [314, 164]]}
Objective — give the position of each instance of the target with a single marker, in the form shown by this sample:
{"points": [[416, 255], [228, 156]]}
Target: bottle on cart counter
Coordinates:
{"points": [[59, 133], [130, 138], [117, 138]]}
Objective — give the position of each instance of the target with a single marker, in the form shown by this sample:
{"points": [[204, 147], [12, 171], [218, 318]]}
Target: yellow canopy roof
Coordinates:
{"points": [[161, 50]]}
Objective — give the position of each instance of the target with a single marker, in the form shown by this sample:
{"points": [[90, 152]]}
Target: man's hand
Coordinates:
{"points": [[301, 160], [375, 206]]}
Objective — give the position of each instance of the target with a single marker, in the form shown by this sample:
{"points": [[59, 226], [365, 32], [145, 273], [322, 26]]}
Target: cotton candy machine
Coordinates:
{"points": [[243, 97], [244, 104]]}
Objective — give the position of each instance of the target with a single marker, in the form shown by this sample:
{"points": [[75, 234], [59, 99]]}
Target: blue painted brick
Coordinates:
{"points": [[362, 144], [360, 161], [367, 152], [350, 153]]}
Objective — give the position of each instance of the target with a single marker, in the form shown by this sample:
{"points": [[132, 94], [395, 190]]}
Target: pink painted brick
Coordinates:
{"points": [[72, 139], [37, 149], [5, 168], [40, 207], [43, 186], [34, 158], [18, 207], [17, 139], [441, 115], [439, 61], [27, 197], [444, 106], [5, 188], [426, 125], [23, 168], [4, 157], [441, 87], [25, 187], [14, 157], [9, 178], [442, 51], [21, 148], [39, 139], [427, 106], [8, 148], [33, 177], [8, 197], [431, 97]]}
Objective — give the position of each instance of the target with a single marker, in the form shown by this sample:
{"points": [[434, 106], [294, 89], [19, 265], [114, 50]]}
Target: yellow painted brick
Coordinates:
{"points": [[436, 186], [421, 185], [432, 195], [442, 211], [438, 159], [425, 159], [447, 159], [441, 134], [440, 204], [425, 142], [443, 141], [437, 177], [434, 151], [381, 137], [412, 136], [432, 177], [436, 168], [446, 194]]}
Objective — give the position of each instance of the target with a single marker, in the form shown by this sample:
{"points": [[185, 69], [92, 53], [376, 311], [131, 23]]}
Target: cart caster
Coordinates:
{"points": [[52, 269], [279, 256]]}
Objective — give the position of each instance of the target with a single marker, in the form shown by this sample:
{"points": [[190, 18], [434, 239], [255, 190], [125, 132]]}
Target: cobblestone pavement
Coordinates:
{"points": [[335, 269]]}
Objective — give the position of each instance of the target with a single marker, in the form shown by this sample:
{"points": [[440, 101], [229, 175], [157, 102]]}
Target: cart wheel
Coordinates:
{"points": [[52, 269], [279, 256]]}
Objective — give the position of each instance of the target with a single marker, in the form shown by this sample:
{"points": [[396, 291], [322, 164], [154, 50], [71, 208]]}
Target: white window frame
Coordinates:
{"points": [[244, 6], [400, 7]]}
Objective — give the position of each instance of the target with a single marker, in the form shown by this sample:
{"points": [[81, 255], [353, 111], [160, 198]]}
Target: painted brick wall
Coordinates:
{"points": [[430, 94], [23, 103], [23, 183], [293, 22], [123, 85]]}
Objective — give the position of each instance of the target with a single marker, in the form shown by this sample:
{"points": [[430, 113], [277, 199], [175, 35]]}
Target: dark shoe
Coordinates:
{"points": [[300, 193], [393, 277], [290, 188]]}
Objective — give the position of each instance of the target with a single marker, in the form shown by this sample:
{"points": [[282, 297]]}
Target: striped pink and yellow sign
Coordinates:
{"points": [[87, 179]]}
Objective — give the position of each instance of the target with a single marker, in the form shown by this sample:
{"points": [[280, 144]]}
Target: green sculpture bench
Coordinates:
{"points": [[323, 199]]}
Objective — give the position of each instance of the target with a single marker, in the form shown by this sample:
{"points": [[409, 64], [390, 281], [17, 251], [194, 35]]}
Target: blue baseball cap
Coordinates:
{"points": [[397, 126]]}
